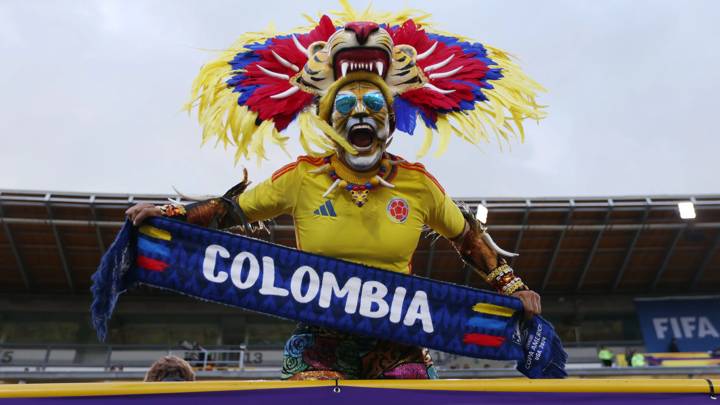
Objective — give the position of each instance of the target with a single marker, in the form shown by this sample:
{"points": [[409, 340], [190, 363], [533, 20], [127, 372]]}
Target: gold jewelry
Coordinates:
{"points": [[504, 280], [499, 271], [358, 186]]}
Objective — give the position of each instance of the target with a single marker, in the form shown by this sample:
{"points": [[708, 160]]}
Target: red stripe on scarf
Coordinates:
{"points": [[481, 339], [151, 264]]}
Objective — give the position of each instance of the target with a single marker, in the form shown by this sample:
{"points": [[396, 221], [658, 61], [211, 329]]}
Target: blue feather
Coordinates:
{"points": [[242, 59], [427, 120], [247, 92], [405, 115]]}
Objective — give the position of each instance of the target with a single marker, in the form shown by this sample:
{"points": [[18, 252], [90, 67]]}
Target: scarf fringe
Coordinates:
{"points": [[112, 278]]}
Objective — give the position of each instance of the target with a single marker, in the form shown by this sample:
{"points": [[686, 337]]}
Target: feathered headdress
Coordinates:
{"points": [[266, 80]]}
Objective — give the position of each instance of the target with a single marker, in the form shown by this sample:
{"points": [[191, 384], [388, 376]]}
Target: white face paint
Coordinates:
{"points": [[365, 127], [372, 153]]}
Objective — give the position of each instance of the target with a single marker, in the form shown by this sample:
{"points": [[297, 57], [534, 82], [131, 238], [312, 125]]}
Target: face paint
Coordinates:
{"points": [[361, 116]]}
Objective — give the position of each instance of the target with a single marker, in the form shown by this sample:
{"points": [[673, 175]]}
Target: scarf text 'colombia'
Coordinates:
{"points": [[276, 280]]}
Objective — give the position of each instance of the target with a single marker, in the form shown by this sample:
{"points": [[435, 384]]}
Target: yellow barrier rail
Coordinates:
{"points": [[657, 386]]}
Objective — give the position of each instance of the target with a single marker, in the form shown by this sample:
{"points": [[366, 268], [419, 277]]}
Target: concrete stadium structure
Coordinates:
{"points": [[589, 257]]}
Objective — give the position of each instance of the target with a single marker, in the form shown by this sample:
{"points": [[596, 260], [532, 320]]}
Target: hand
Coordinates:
{"points": [[531, 302], [139, 212]]}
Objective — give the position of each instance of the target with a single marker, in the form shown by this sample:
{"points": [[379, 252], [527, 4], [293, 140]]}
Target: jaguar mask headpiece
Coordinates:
{"points": [[359, 47], [447, 84]]}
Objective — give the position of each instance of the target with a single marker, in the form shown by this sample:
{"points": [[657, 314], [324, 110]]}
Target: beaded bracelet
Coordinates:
{"points": [[504, 280]]}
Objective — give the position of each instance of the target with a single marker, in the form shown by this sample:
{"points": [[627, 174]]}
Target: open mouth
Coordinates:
{"points": [[362, 137], [373, 60]]}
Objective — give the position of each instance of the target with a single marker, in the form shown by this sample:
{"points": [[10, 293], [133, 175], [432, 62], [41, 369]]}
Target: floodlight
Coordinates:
{"points": [[687, 210]]}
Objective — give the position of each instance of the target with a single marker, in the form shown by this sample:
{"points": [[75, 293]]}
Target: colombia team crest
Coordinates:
{"points": [[398, 210]]}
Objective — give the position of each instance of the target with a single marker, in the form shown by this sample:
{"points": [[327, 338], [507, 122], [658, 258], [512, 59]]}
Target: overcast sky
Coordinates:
{"points": [[91, 95]]}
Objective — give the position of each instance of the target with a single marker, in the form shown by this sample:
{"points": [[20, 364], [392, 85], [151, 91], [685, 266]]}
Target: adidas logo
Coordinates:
{"points": [[326, 210]]}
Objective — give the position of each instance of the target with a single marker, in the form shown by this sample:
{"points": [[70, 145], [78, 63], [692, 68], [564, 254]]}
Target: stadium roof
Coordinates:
{"points": [[51, 242]]}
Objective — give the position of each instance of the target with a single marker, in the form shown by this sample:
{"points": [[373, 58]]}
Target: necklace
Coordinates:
{"points": [[358, 186]]}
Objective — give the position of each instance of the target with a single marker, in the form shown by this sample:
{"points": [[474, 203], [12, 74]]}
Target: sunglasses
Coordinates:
{"points": [[344, 103]]}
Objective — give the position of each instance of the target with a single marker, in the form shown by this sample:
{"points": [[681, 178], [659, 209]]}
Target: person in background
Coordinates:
{"points": [[170, 368], [673, 347], [606, 356], [628, 356], [637, 360]]}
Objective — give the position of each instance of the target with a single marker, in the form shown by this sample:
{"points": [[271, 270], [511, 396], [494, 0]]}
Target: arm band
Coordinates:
{"points": [[504, 280]]}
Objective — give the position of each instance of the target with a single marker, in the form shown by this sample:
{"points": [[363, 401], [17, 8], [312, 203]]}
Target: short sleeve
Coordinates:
{"points": [[274, 196], [444, 216]]}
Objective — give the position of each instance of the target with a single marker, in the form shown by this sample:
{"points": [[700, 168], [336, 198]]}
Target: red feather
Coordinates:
{"points": [[472, 71], [282, 111]]}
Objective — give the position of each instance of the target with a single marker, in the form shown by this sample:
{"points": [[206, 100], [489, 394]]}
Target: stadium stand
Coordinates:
{"points": [[589, 257]]}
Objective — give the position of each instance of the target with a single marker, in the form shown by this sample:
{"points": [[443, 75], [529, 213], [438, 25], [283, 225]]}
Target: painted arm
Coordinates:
{"points": [[480, 252], [216, 213]]}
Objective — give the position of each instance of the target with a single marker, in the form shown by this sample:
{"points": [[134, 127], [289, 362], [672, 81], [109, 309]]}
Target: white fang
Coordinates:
{"points": [[322, 169], [497, 248], [287, 93], [285, 62], [274, 74], [331, 188], [428, 52], [344, 68], [379, 67], [439, 90], [299, 46], [384, 183], [440, 64], [445, 74]]}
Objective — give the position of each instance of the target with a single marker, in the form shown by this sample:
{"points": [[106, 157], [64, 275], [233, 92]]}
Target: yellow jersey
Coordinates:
{"points": [[383, 233]]}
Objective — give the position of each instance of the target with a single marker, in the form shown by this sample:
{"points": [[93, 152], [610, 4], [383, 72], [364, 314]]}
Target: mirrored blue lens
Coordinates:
{"points": [[344, 103], [374, 101]]}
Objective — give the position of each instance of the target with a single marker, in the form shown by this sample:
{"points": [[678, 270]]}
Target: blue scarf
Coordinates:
{"points": [[275, 280]]}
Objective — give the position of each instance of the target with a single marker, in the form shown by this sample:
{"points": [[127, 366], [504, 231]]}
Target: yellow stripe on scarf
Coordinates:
{"points": [[491, 309], [156, 233]]}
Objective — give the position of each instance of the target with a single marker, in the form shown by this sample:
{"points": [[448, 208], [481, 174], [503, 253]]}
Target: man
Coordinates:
{"points": [[606, 356], [356, 202], [638, 360], [353, 224]]}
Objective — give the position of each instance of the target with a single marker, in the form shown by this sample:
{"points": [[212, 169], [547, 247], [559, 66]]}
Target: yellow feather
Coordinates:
{"points": [[427, 142], [248, 129], [257, 145], [279, 140], [330, 132], [236, 123], [444, 130], [466, 130], [309, 136], [309, 19], [303, 138]]}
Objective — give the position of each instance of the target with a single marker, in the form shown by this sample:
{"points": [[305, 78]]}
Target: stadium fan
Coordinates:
{"points": [[170, 368], [606, 356], [358, 82]]}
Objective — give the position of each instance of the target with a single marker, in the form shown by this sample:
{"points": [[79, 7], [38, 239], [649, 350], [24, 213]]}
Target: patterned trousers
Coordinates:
{"points": [[314, 353]]}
